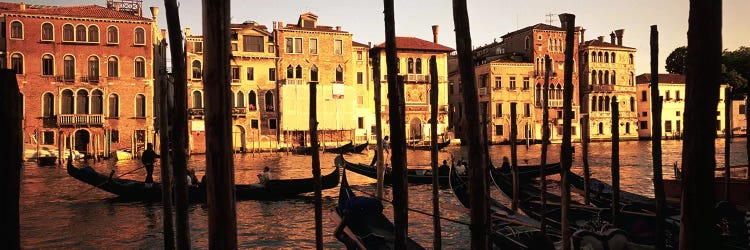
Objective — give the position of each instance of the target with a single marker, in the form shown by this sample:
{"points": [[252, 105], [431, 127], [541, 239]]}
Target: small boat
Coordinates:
{"points": [[528, 172], [739, 190], [346, 148], [47, 160], [304, 150], [361, 223], [137, 190], [361, 147], [601, 194], [123, 154], [414, 176], [428, 146]]}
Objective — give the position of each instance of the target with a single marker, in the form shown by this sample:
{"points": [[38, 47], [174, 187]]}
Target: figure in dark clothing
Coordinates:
{"points": [[506, 164], [148, 158], [444, 170]]}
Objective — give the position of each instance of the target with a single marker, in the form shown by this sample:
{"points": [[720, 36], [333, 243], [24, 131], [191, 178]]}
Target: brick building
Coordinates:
{"points": [[85, 72]]}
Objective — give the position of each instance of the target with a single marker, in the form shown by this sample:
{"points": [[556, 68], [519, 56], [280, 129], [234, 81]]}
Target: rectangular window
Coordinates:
{"points": [[314, 46], [271, 123], [644, 124], [338, 47], [235, 74], [140, 136], [297, 46], [198, 47], [114, 136], [668, 126], [140, 68], [250, 74], [499, 110], [289, 45], [644, 96], [234, 46], [359, 55], [718, 125], [644, 114], [234, 36], [677, 113], [252, 43], [526, 83], [498, 82], [483, 80], [742, 109], [678, 126], [48, 137], [271, 49], [47, 66], [669, 97], [254, 123], [499, 130], [272, 74], [677, 95], [526, 110], [512, 82], [361, 122], [360, 100], [360, 78]]}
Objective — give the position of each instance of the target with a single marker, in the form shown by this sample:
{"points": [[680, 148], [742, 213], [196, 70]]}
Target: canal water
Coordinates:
{"points": [[58, 211]]}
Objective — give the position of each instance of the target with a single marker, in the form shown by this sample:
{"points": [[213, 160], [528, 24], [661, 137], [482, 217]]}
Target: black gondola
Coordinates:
{"points": [[361, 147], [601, 195], [346, 148], [47, 160], [428, 146], [137, 190], [528, 172], [414, 176], [361, 223], [303, 150]]}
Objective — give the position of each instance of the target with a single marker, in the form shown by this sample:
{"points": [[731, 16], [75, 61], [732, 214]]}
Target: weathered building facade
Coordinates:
{"points": [[86, 72]]}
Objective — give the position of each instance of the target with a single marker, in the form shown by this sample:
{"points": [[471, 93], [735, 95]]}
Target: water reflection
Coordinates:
{"points": [[58, 211]]}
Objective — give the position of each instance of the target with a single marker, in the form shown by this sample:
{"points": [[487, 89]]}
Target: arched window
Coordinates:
{"points": [[614, 78], [419, 66], [289, 72], [527, 43], [551, 91], [252, 101], [631, 59], [601, 128], [240, 99], [140, 106], [140, 67], [632, 104], [93, 34], [606, 77], [298, 72], [601, 76], [80, 33], [600, 57], [627, 128], [197, 70], [16, 63], [410, 65], [48, 65], [601, 104], [314, 73], [48, 33], [48, 105], [606, 103], [269, 101], [593, 103], [82, 102], [66, 103], [606, 57], [68, 33], [631, 79], [112, 36], [69, 68], [114, 106], [97, 102], [197, 99], [339, 74], [593, 77], [613, 57], [538, 94], [231, 99], [113, 67], [559, 95], [16, 30], [93, 69], [140, 36]]}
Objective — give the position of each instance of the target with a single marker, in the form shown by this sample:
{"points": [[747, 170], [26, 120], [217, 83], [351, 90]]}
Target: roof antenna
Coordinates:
{"points": [[550, 18]]}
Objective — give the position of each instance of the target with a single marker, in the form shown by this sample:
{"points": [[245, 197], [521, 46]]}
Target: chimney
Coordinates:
{"points": [[435, 33], [154, 13], [117, 6], [619, 34], [274, 25], [164, 33], [281, 25], [583, 38], [338, 28], [612, 38], [187, 32], [22, 6], [600, 38]]}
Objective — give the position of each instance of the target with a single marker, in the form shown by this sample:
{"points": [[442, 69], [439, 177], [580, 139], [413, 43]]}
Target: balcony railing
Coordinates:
{"points": [[65, 78], [290, 81], [79, 120], [196, 112], [239, 111], [417, 78], [90, 79], [482, 91]]}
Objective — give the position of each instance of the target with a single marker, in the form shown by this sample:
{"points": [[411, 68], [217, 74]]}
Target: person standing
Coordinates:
{"points": [[148, 158]]}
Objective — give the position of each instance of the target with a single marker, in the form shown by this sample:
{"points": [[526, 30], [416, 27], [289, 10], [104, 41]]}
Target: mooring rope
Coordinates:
{"points": [[410, 209]]}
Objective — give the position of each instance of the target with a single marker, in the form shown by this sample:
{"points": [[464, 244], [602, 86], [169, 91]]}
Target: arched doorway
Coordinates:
{"points": [[81, 140], [415, 129], [238, 138]]}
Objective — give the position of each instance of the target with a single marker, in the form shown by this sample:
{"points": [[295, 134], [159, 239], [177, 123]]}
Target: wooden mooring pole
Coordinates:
{"points": [[728, 141], [615, 207], [164, 162], [398, 135], [656, 141], [477, 160], [568, 22], [10, 173], [317, 182], [378, 122], [545, 139], [222, 214], [703, 76], [179, 131], [437, 239], [514, 154]]}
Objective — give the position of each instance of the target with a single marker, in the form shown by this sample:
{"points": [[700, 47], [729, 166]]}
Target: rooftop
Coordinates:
{"points": [[663, 78], [414, 43], [538, 26], [90, 11], [597, 43]]}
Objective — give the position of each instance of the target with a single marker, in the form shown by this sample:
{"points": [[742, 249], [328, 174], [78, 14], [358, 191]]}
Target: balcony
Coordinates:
{"points": [[65, 78], [196, 112], [239, 111], [419, 78], [90, 79], [294, 82], [482, 91], [79, 120]]}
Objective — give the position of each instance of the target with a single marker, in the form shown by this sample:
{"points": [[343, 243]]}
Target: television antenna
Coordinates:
{"points": [[550, 18]]}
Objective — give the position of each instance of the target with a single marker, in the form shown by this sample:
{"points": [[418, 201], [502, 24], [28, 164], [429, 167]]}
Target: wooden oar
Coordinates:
{"points": [[108, 180]]}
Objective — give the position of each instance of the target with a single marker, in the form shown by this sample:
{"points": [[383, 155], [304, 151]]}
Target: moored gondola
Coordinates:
{"points": [[361, 222], [528, 172], [346, 148], [428, 146], [414, 176], [361, 147], [138, 190]]}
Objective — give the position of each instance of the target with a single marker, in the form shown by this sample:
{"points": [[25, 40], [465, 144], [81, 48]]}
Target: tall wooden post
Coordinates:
{"points": [[568, 21], [378, 122], [36, 137], [60, 146], [703, 75], [437, 239], [398, 135], [727, 140], [615, 160], [164, 162], [179, 131], [583, 94], [514, 154], [477, 171], [222, 215], [656, 140], [10, 174], [545, 139], [747, 126], [317, 182]]}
